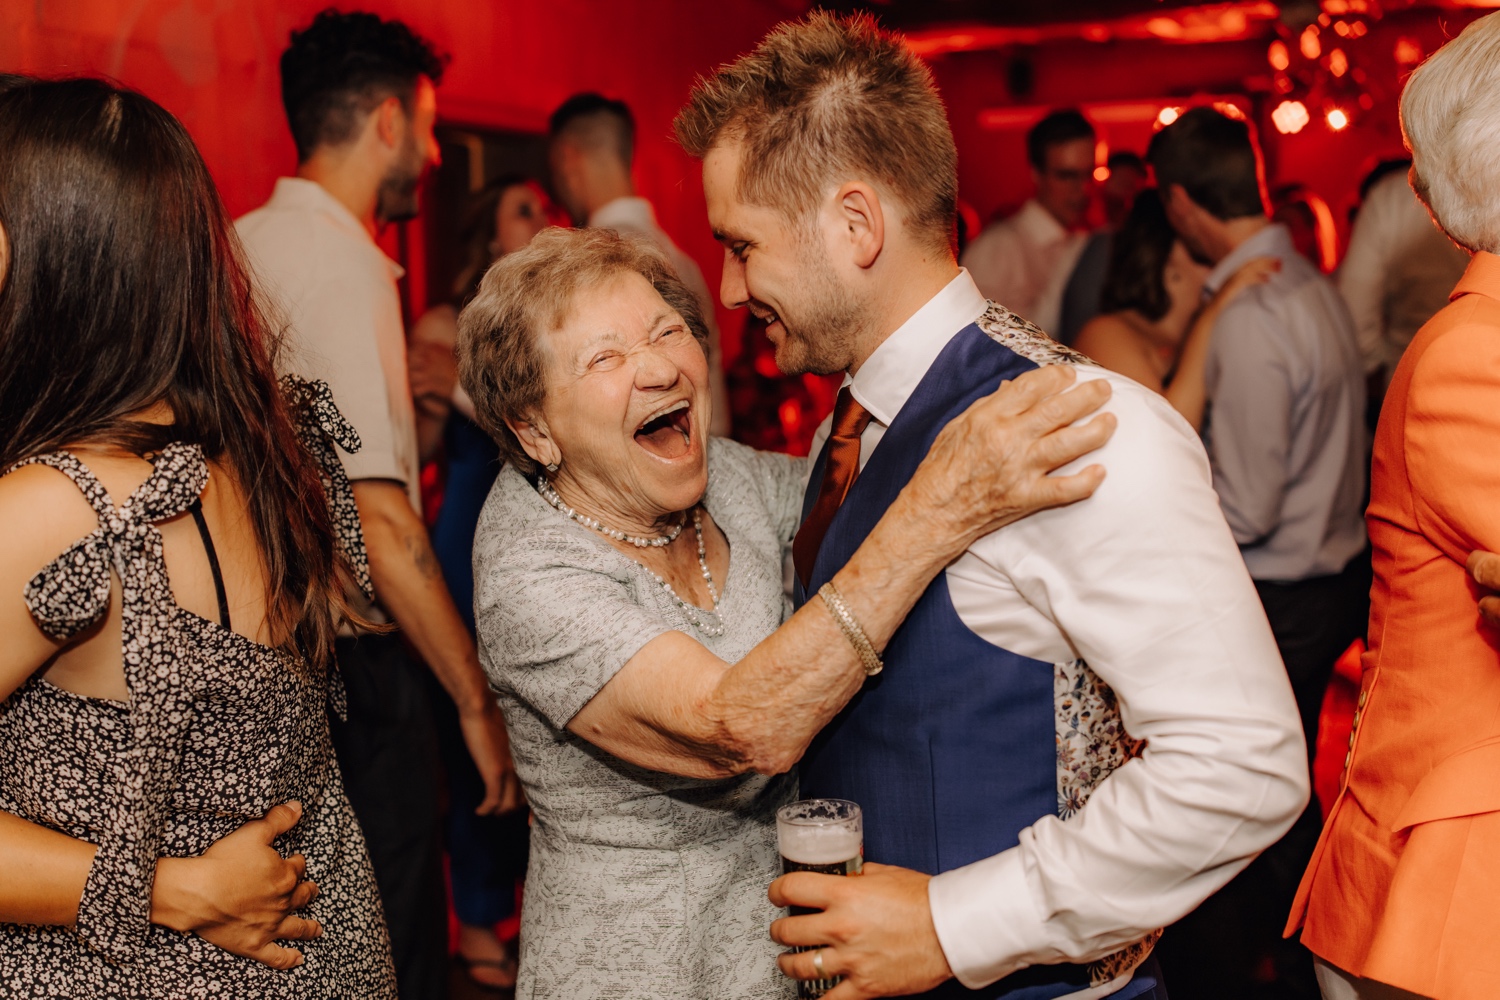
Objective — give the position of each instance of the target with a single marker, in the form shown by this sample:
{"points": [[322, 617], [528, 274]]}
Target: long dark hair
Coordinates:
{"points": [[1138, 260], [126, 288]]}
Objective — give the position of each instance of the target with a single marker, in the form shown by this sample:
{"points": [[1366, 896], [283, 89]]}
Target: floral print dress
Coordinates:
{"points": [[217, 730]]}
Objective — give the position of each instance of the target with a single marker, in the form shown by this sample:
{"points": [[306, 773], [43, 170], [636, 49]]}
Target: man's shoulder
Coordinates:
{"points": [[1148, 423], [1022, 337], [299, 247]]}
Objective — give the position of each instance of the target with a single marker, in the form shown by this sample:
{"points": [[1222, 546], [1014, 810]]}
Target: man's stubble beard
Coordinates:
{"points": [[828, 323], [399, 196]]}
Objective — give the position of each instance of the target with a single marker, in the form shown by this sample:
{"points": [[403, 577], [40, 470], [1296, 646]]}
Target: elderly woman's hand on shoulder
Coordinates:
{"points": [[993, 465]]}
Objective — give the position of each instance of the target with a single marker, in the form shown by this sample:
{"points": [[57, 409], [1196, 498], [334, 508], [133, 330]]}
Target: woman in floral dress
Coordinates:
{"points": [[171, 814]]}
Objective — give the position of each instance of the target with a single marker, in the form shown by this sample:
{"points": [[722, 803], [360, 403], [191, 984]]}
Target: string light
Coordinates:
{"points": [[1167, 117], [1278, 56], [1338, 119]]}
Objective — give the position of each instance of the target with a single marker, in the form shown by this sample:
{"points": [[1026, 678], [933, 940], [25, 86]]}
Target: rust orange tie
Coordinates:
{"points": [[849, 422]]}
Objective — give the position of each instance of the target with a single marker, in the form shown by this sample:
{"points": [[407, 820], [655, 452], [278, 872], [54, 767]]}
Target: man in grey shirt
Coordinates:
{"points": [[1285, 435]]}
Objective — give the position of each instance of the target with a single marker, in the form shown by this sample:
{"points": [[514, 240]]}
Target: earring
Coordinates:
{"points": [[552, 467]]}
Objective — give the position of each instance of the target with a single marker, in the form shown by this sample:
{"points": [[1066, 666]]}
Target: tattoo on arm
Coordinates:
{"points": [[422, 556]]}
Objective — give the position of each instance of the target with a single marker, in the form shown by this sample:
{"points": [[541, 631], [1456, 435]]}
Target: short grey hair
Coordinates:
{"points": [[529, 293], [1450, 115]]}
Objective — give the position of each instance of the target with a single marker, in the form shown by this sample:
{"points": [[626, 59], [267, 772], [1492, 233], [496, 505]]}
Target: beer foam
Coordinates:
{"points": [[817, 844]]}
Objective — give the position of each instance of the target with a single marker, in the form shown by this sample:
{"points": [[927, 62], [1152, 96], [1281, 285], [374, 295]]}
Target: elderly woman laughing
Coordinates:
{"points": [[632, 615]]}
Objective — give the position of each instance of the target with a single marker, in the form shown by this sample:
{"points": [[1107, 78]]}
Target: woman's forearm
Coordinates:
{"points": [[768, 707], [1188, 391], [44, 873]]}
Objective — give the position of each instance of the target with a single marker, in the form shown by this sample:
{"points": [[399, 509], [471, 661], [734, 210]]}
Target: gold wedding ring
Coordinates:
{"points": [[818, 964]]}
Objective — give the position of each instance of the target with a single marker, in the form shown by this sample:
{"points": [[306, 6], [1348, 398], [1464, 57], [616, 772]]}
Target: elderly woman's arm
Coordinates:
{"points": [[675, 707]]}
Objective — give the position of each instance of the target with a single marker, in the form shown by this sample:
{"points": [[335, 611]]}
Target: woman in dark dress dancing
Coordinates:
{"points": [[170, 807]]}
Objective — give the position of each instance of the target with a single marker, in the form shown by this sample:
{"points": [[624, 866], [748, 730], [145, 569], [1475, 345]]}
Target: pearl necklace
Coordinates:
{"points": [[550, 495], [709, 622], [712, 625]]}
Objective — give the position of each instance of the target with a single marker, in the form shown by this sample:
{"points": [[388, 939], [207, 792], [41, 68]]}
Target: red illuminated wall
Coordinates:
{"points": [[214, 64]]}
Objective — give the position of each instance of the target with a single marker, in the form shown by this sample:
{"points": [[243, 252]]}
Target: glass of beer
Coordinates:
{"points": [[826, 836]]}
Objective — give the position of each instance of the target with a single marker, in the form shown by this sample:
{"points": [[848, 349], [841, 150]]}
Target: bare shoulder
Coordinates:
{"points": [[1104, 332], [41, 514]]}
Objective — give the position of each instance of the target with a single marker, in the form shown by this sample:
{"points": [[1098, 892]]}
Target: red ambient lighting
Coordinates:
{"points": [[1291, 117]]}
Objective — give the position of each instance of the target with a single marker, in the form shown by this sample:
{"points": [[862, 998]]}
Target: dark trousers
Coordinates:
{"points": [[1231, 948], [388, 754], [486, 854]]}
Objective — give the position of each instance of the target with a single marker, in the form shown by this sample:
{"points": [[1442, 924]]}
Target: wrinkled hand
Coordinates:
{"points": [[1484, 568], [876, 931], [489, 746], [240, 894], [1256, 271], [989, 466]]}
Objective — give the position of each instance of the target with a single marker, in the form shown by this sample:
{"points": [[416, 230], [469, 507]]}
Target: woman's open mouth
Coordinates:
{"points": [[668, 433]]}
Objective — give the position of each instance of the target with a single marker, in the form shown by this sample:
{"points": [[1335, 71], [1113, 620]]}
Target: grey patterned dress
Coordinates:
{"points": [[641, 884]]}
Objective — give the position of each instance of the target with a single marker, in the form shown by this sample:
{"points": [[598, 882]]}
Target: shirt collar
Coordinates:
{"points": [[890, 375], [632, 213], [1272, 241], [1038, 224], [1482, 276], [302, 195]]}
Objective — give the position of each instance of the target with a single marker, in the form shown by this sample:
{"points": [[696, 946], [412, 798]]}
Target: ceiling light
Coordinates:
{"points": [[1167, 117], [1278, 56], [1290, 117], [1311, 47]]}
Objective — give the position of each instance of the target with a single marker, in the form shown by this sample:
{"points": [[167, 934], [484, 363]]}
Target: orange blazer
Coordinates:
{"points": [[1404, 886]]}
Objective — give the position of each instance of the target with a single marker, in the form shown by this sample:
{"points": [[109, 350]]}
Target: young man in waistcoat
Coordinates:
{"points": [[1083, 728]]}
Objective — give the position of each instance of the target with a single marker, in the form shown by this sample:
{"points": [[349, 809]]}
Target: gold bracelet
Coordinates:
{"points": [[847, 624]]}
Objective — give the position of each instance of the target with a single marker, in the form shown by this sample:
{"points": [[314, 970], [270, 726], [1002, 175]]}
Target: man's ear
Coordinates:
{"points": [[535, 441], [863, 218], [390, 121]]}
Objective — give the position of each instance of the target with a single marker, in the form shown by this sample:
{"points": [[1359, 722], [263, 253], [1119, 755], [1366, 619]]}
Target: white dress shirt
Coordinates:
{"points": [[1144, 582], [1023, 262], [1398, 272], [635, 216]]}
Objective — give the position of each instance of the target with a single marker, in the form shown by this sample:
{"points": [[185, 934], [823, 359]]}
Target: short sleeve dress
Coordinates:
{"points": [[641, 884], [218, 729]]}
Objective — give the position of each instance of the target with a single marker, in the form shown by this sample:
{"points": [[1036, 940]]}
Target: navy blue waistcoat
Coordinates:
{"points": [[951, 751]]}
